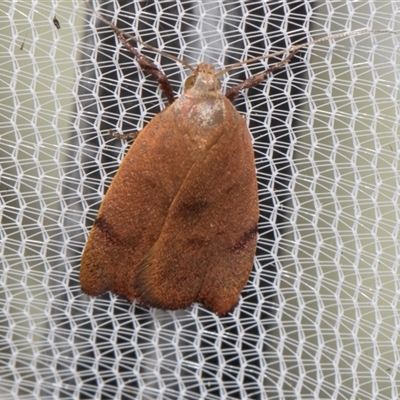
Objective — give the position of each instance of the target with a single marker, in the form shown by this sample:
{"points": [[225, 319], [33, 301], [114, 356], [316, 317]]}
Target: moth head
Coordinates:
{"points": [[203, 79]]}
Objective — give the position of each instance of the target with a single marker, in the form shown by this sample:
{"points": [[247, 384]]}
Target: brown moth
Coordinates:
{"points": [[178, 224]]}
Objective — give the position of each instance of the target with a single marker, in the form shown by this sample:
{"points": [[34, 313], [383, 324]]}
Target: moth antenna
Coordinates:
{"points": [[296, 48], [128, 36]]}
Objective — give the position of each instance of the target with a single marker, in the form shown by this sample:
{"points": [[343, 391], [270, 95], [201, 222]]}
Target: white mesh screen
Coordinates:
{"points": [[319, 317]]}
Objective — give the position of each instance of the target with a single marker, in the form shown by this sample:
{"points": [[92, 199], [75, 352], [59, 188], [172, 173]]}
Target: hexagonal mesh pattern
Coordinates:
{"points": [[319, 317]]}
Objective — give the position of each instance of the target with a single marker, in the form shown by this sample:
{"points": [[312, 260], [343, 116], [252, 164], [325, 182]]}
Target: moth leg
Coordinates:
{"points": [[152, 69], [147, 65], [234, 92], [123, 136]]}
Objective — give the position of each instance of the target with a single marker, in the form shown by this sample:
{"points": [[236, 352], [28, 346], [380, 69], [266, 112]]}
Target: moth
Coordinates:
{"points": [[178, 224]]}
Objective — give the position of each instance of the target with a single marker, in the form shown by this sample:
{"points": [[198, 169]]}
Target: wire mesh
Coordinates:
{"points": [[319, 317]]}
